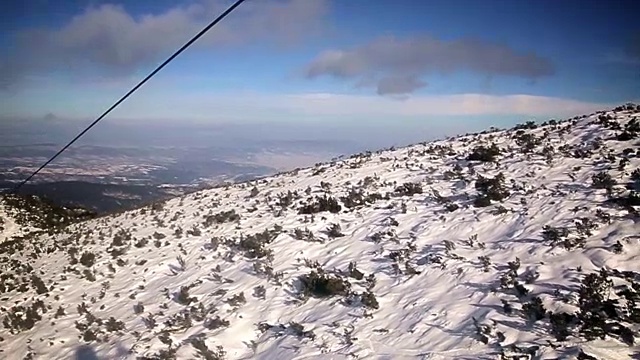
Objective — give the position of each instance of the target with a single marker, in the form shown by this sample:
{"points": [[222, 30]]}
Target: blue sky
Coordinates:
{"points": [[321, 60]]}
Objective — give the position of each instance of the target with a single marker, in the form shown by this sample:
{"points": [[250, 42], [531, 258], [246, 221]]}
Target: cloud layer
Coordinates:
{"points": [[110, 39], [334, 107], [445, 105], [396, 65]]}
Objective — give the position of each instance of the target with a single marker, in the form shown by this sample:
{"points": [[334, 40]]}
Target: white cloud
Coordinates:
{"points": [[108, 39]]}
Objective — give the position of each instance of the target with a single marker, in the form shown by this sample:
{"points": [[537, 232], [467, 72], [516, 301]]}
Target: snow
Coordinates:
{"points": [[428, 314], [8, 227]]}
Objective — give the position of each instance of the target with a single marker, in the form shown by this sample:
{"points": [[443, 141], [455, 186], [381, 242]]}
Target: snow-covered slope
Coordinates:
{"points": [[23, 216], [8, 227], [412, 253]]}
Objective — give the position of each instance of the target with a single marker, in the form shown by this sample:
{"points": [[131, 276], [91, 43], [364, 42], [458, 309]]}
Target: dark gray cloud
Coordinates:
{"points": [[394, 85], [110, 39], [395, 65], [633, 47]]}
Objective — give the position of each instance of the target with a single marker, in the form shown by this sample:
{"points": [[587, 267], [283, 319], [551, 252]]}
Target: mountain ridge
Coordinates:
{"points": [[486, 245]]}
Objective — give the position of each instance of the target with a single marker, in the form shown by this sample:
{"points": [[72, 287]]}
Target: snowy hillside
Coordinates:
{"points": [[8, 226], [27, 216], [509, 244], [15, 220]]}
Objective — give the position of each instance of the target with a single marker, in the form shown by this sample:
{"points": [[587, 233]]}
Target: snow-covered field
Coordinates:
{"points": [[412, 253]]}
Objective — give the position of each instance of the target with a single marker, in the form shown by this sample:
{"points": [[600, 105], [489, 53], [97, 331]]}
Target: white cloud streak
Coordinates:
{"points": [[343, 107], [447, 105]]}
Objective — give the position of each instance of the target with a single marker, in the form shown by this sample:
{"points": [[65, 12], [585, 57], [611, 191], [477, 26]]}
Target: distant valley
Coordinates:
{"points": [[108, 179]]}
